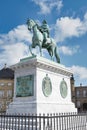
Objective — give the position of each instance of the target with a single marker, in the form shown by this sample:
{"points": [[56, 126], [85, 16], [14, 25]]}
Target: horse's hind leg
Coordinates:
{"points": [[57, 56], [30, 48], [51, 53], [40, 50]]}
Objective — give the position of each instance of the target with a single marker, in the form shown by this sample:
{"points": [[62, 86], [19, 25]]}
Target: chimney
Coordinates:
{"points": [[5, 66]]}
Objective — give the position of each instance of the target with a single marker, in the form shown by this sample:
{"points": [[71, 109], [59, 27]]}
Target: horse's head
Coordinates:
{"points": [[30, 24]]}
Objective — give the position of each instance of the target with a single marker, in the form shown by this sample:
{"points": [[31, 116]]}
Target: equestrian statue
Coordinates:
{"points": [[42, 39]]}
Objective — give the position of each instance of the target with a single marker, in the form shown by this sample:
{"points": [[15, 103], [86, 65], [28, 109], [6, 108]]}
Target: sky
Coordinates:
{"points": [[67, 20]]}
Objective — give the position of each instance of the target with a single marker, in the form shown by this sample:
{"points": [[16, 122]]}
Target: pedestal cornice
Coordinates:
{"points": [[42, 63]]}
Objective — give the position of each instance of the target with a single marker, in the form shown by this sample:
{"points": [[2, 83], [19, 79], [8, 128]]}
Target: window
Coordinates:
{"points": [[1, 94], [78, 93], [7, 104], [84, 93], [0, 105], [2, 84], [9, 93], [9, 84], [78, 103]]}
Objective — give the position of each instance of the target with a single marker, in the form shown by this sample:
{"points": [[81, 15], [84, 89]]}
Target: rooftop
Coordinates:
{"points": [[6, 73]]}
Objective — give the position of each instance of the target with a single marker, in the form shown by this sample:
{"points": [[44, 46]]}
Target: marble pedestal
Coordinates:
{"points": [[38, 101]]}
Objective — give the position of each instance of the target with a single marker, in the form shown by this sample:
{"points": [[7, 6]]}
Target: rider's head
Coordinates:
{"points": [[44, 22]]}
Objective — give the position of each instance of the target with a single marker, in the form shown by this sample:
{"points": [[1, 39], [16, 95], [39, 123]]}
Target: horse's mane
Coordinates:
{"points": [[39, 27]]}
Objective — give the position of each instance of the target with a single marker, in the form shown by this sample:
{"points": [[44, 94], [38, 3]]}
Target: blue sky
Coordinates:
{"points": [[67, 20]]}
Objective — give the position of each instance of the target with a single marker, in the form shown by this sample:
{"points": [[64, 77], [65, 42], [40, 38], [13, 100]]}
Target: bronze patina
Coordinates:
{"points": [[42, 39]]}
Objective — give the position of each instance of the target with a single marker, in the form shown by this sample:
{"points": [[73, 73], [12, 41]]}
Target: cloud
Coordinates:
{"points": [[13, 53], [80, 71], [68, 27], [18, 34], [80, 74], [14, 45], [66, 50], [46, 6]]}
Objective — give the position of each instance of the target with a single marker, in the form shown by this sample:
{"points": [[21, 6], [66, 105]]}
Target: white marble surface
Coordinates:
{"points": [[38, 103]]}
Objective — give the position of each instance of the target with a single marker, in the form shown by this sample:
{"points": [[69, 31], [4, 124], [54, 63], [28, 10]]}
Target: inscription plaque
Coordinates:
{"points": [[25, 86]]}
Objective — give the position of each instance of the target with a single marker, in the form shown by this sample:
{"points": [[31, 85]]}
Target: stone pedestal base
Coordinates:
{"points": [[37, 108], [51, 87]]}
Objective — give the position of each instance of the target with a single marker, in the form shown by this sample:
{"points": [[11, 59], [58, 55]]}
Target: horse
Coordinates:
{"points": [[38, 38]]}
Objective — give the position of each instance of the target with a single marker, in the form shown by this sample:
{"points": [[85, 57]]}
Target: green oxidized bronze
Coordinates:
{"points": [[24, 86], [46, 86], [42, 39], [63, 89]]}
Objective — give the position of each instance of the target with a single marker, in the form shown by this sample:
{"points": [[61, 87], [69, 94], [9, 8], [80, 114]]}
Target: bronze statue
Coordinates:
{"points": [[42, 39]]}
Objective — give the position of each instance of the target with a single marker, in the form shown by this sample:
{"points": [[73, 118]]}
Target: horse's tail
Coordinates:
{"points": [[56, 55]]}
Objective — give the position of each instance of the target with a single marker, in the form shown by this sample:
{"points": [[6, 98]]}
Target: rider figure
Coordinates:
{"points": [[45, 30]]}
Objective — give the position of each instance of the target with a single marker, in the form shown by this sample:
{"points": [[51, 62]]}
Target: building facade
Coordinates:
{"points": [[6, 88], [79, 96]]}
